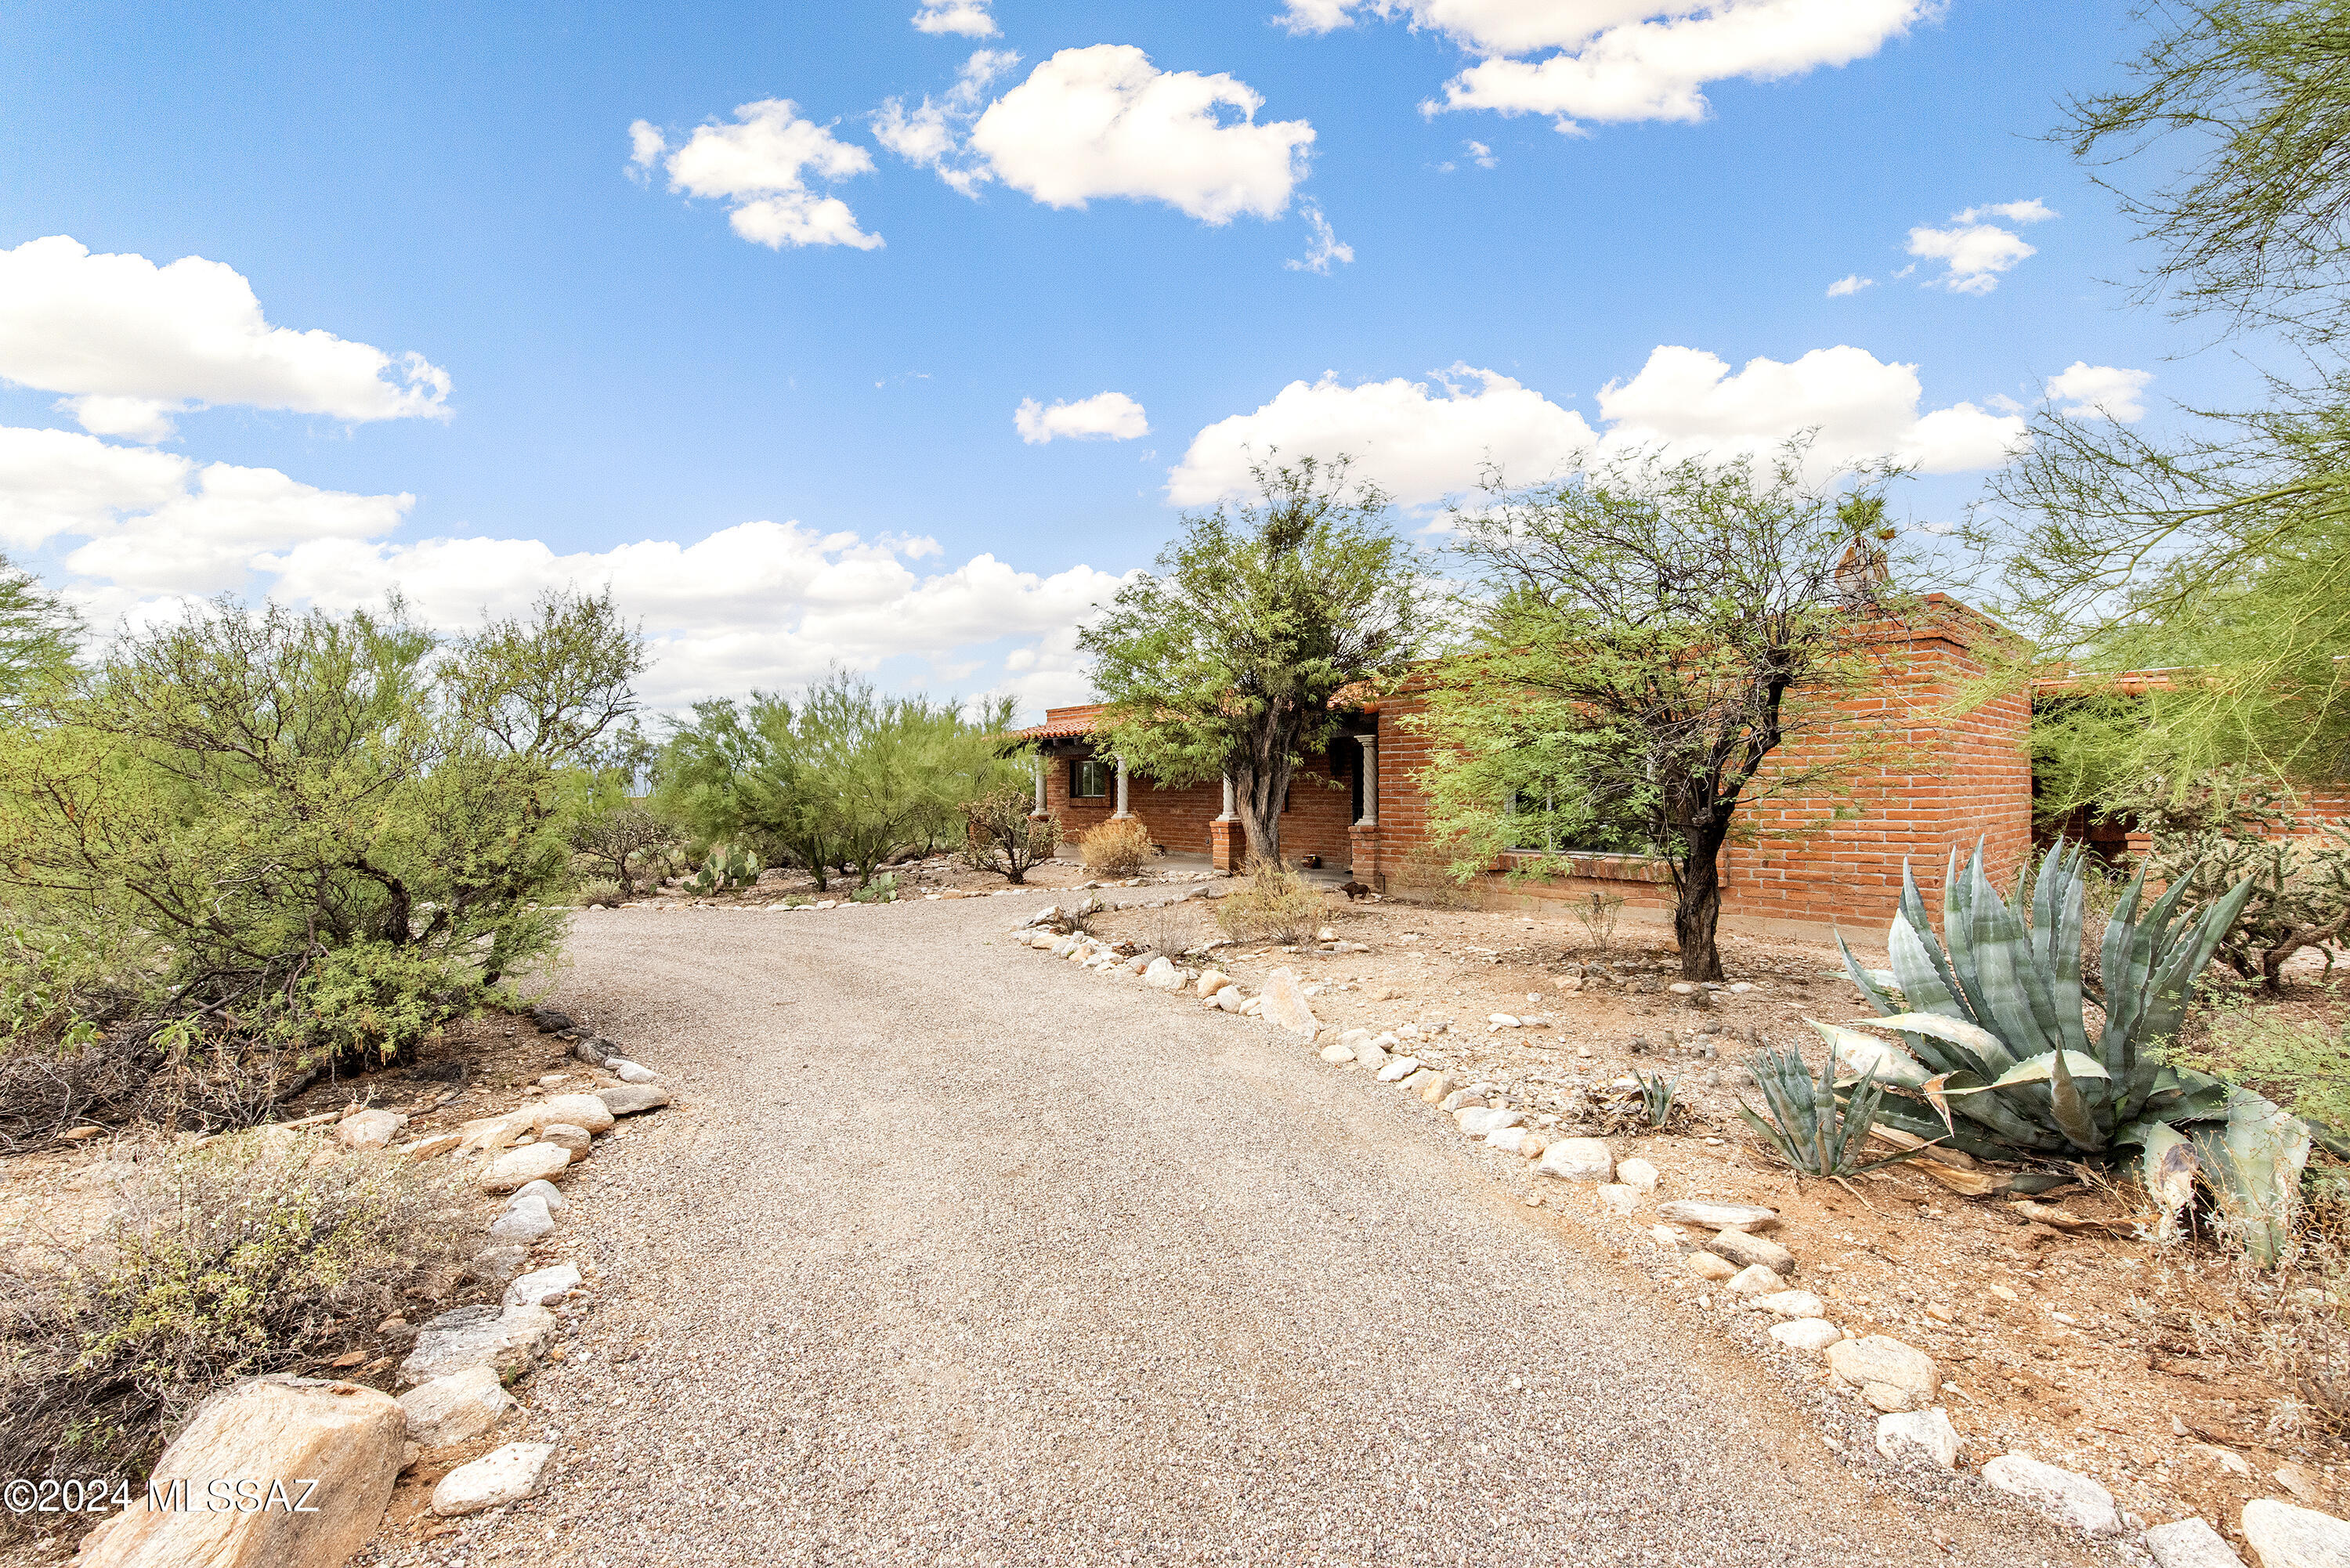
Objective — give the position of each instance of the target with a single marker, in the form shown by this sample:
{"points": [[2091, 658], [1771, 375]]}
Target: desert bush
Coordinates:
{"points": [[1002, 837], [1273, 903], [1116, 848], [1597, 912], [2302, 1066], [598, 893], [622, 844], [235, 1258]]}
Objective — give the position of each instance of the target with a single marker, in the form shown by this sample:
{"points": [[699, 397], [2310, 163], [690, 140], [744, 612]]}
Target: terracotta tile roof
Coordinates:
{"points": [[1061, 723]]}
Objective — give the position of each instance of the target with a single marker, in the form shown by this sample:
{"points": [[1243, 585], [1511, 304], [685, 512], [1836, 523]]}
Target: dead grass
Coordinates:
{"points": [[1115, 850], [1273, 903]]}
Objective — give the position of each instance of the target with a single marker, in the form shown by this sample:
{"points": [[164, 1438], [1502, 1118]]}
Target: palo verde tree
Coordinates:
{"points": [[39, 635], [1226, 658], [1648, 635], [2218, 553]]}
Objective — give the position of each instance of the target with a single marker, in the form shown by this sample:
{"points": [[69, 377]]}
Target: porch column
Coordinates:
{"points": [[1121, 814], [1370, 817], [1038, 759], [1230, 813]]}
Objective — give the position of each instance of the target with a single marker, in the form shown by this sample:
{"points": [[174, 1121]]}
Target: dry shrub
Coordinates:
{"points": [[169, 1078], [1116, 848], [231, 1258], [1273, 904], [1426, 877]]}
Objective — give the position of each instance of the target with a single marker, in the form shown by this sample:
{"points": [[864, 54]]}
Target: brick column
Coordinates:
{"points": [[1226, 841]]}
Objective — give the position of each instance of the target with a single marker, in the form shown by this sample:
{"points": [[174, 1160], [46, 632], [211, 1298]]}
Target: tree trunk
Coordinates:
{"points": [[1259, 796], [1697, 910]]}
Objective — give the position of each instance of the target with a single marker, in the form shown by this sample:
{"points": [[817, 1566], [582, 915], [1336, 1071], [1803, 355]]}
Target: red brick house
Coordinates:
{"points": [[1360, 807]]}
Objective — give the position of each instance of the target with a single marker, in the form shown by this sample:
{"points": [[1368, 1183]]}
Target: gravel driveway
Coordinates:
{"points": [[950, 1253]]}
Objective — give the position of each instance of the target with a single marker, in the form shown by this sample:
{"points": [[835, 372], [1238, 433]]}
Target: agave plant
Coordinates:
{"points": [[1813, 1130], [1997, 1057], [1659, 1096]]}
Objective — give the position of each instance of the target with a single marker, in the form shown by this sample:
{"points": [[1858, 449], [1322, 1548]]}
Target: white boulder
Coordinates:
{"points": [[457, 1408], [2074, 1499], [1906, 1435], [504, 1475], [2285, 1536]]}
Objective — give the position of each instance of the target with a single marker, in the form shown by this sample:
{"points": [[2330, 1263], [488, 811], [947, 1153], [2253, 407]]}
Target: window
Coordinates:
{"points": [[1089, 779], [1544, 822]]}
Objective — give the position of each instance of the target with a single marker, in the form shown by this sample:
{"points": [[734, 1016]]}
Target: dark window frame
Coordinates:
{"points": [[1102, 778]]}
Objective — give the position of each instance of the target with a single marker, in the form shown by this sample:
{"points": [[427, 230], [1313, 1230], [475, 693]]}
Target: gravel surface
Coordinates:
{"points": [[950, 1253]]}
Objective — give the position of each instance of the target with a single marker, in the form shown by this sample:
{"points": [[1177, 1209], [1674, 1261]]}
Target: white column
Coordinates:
{"points": [[1230, 813], [1122, 814], [1039, 761], [1370, 817]]}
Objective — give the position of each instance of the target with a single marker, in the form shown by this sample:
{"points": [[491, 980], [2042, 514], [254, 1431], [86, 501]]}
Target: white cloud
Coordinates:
{"points": [[936, 135], [1105, 121], [646, 144], [2101, 392], [1685, 400], [1105, 416], [1481, 155], [1628, 59], [1423, 444], [1325, 247], [1419, 443], [968, 18], [1978, 252], [1851, 283], [760, 165], [131, 343], [156, 523], [765, 603]]}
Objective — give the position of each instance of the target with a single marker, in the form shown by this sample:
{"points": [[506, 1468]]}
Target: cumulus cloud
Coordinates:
{"points": [[1977, 252], [1323, 249], [1424, 442], [1421, 442], [760, 165], [1105, 416], [1105, 121], [936, 134], [1851, 283], [1628, 59], [131, 343], [968, 18], [1481, 155], [2101, 392], [765, 603]]}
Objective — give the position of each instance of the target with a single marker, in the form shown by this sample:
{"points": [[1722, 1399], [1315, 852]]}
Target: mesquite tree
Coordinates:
{"points": [[1652, 633], [1227, 657]]}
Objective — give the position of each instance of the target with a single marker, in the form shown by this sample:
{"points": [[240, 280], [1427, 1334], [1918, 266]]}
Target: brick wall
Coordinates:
{"points": [[1316, 821]]}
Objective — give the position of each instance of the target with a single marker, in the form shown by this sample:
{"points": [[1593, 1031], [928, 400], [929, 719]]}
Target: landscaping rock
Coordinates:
{"points": [[431, 1147], [565, 1135], [546, 1191], [633, 1099], [1719, 1216], [1372, 1056], [1746, 1251], [1578, 1159], [507, 1340], [1335, 1055], [1398, 1069], [543, 1287], [1617, 1198], [1477, 1121], [592, 1051], [1906, 1435], [1790, 1304], [552, 1020], [457, 1408], [522, 1224], [1429, 1084], [1636, 1172], [2074, 1499], [504, 1475], [1460, 1097], [1515, 1140], [369, 1129], [1213, 981], [579, 1110], [2191, 1544], [1285, 1005], [1890, 1374], [2285, 1536], [1162, 975], [632, 1071], [1230, 998], [519, 1166], [1804, 1333], [1706, 1266], [1755, 1280], [347, 1439]]}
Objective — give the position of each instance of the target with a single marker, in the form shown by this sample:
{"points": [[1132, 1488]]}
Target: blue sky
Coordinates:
{"points": [[486, 352]]}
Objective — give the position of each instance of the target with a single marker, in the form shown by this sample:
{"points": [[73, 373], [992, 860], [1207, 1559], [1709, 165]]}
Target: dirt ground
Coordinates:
{"points": [[2142, 1365]]}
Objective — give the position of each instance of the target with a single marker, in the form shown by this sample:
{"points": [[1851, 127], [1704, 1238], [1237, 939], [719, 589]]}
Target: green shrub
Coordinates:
{"points": [[2302, 1066], [237, 1258], [882, 889], [1273, 904]]}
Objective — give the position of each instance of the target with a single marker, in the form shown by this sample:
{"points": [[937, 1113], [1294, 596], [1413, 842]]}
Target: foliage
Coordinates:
{"points": [[240, 1256], [1651, 634], [623, 840], [328, 830], [2301, 1065], [1228, 658], [881, 889], [722, 867], [1659, 1097], [1812, 1130], [1117, 849], [598, 893], [844, 778], [2228, 829], [1597, 912], [1272, 903], [1001, 833], [1996, 1030], [2219, 560], [39, 635]]}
